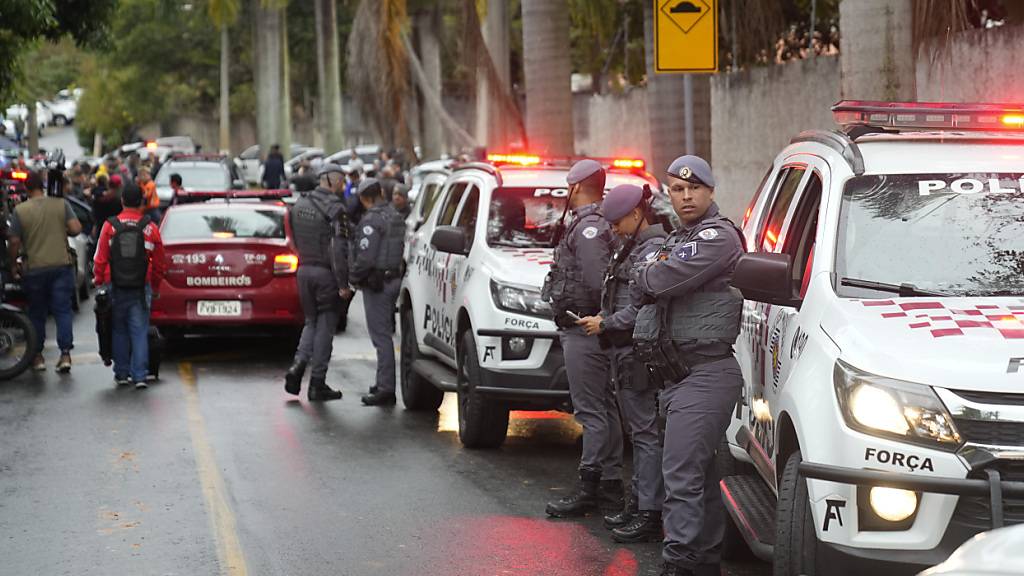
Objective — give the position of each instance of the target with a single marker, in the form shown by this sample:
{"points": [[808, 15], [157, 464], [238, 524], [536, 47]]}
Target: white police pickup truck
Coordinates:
{"points": [[472, 319], [882, 344]]}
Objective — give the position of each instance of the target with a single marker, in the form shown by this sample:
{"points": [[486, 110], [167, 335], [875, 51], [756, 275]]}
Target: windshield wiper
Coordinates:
{"points": [[905, 290]]}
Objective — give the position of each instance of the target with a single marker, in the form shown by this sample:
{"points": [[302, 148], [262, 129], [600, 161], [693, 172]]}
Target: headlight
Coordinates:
{"points": [[893, 409], [892, 504], [519, 299]]}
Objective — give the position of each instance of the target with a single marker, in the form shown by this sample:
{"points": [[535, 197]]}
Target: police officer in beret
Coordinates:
{"points": [[699, 313], [377, 271], [574, 289], [627, 209], [321, 231]]}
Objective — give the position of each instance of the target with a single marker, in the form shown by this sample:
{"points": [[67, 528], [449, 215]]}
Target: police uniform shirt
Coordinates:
{"points": [[371, 235], [648, 244], [316, 217], [702, 256], [590, 247]]}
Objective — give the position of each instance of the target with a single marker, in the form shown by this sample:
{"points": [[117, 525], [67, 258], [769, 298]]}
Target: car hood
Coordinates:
{"points": [[960, 343], [523, 266], [988, 554]]}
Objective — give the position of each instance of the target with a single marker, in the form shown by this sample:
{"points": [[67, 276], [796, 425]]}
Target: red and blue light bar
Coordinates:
{"points": [[523, 159], [203, 195], [929, 115]]}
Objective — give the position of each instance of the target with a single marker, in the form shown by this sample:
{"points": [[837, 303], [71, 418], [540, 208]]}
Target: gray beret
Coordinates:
{"points": [[620, 201], [366, 184], [329, 169], [692, 169], [582, 170]]}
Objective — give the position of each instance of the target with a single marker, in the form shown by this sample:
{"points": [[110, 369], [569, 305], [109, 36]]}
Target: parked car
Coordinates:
{"points": [[367, 153], [250, 162], [43, 115], [82, 249], [62, 111], [993, 553], [203, 172]]}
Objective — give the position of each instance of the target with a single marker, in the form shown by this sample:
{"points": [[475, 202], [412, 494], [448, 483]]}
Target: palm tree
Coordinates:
{"points": [[546, 61], [269, 71], [224, 13], [328, 74]]}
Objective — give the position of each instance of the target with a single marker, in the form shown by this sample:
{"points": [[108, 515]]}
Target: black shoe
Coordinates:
{"points": [[342, 325], [622, 517], [645, 527], [584, 499], [293, 378], [374, 389], [319, 391], [669, 569], [610, 496], [379, 398]]}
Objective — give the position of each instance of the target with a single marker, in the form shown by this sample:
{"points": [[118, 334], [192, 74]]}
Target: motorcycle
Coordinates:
{"points": [[18, 342]]}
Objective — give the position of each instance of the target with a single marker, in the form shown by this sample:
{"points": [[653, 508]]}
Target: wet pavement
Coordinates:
{"points": [[215, 470]]}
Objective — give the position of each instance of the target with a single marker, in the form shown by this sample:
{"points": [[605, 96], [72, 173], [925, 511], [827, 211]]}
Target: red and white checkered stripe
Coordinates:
{"points": [[941, 321]]}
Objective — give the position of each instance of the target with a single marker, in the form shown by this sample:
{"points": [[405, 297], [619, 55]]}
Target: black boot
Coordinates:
{"points": [[319, 391], [379, 398], [622, 517], [582, 500], [610, 496], [669, 569], [293, 378], [645, 527]]}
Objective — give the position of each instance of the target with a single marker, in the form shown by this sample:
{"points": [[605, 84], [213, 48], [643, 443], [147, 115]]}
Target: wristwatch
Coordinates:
{"points": [[601, 325]]}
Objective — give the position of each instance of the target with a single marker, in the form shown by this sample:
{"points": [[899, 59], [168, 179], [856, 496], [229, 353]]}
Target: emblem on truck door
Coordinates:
{"points": [[1014, 365]]}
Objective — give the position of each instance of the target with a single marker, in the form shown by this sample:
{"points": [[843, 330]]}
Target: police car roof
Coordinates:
{"points": [[554, 177], [941, 152], [239, 203]]}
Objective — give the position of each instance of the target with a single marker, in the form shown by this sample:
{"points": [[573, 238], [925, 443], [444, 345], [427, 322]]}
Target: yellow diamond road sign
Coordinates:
{"points": [[686, 35]]}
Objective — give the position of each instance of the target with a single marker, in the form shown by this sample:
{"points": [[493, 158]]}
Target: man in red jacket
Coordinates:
{"points": [[130, 259]]}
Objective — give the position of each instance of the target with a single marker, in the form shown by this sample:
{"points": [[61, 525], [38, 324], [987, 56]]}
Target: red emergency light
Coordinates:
{"points": [[628, 163], [19, 175], [929, 115], [520, 159], [151, 145]]}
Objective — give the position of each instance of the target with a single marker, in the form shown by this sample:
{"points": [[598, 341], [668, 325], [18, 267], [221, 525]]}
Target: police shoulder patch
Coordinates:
{"points": [[590, 232], [368, 230], [686, 251], [709, 234], [364, 243]]}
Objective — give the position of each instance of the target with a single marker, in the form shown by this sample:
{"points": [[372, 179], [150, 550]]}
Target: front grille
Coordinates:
{"points": [[975, 511], [989, 432], [1003, 398]]}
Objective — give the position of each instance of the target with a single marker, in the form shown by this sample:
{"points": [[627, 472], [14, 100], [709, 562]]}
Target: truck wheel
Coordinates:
{"points": [[734, 546], [483, 423], [417, 393], [796, 543]]}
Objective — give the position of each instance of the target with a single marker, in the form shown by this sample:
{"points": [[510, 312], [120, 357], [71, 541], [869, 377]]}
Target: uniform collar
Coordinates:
{"points": [[652, 231], [587, 210]]}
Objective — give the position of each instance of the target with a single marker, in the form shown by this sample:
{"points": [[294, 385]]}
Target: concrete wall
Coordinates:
{"points": [[612, 125], [757, 112], [976, 66]]}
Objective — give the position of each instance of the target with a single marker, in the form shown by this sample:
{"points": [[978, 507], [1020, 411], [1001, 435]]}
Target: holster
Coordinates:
{"points": [[375, 281]]}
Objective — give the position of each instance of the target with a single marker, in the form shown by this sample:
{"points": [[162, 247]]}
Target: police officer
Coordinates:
{"points": [[574, 289], [377, 271], [320, 227], [627, 209], [700, 315]]}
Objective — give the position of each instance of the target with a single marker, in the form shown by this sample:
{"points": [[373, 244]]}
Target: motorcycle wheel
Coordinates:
{"points": [[18, 345]]}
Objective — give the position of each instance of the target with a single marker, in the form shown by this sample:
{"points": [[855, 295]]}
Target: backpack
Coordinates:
{"points": [[129, 261]]}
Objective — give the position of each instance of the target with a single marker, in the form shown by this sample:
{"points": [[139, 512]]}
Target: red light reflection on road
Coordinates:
{"points": [[514, 546]]}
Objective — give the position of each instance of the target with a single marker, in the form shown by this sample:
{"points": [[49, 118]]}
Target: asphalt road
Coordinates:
{"points": [[64, 138], [215, 470]]}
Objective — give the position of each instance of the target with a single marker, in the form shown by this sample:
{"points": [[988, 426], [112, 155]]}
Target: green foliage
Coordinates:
{"points": [[606, 36]]}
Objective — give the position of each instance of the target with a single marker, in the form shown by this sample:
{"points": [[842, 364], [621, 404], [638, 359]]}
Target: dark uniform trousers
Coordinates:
{"points": [[638, 401], [321, 303], [380, 321], [697, 411], [593, 403]]}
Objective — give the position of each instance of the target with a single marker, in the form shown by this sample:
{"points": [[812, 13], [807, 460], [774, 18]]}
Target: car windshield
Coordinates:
{"points": [[525, 217], [960, 234], [222, 222], [209, 176]]}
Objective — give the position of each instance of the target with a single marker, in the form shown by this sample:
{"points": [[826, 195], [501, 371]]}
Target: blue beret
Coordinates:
{"points": [[582, 170], [692, 169], [620, 201], [366, 184]]}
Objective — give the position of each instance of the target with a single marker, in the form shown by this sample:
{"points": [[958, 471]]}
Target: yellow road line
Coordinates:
{"points": [[222, 520]]}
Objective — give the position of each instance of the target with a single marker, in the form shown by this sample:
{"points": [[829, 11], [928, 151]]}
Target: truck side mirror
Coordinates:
{"points": [[766, 277], [449, 239]]}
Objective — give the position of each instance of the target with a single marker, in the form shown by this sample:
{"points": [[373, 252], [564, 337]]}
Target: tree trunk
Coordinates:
{"points": [[429, 48], [97, 144], [267, 48], [548, 76], [225, 91], [877, 50], [32, 127], [329, 76], [284, 137], [491, 127]]}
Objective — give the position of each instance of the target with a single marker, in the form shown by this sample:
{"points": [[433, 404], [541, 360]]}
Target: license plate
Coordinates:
{"points": [[219, 308]]}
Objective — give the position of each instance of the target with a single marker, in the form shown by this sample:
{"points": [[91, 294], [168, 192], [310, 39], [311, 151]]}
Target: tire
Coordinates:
{"points": [[796, 544], [60, 121], [734, 546], [483, 423], [418, 394], [17, 336]]}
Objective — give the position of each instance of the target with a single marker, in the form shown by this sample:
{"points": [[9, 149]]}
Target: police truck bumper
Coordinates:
{"points": [[544, 386]]}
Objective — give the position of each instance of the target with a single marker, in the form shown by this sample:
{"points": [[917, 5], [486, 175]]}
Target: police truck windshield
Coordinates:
{"points": [[525, 217], [207, 176], [222, 222], [957, 234]]}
